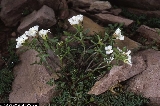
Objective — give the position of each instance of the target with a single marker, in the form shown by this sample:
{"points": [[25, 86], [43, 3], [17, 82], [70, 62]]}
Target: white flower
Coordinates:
{"points": [[108, 49], [76, 19], [32, 31], [43, 33], [118, 34], [20, 40], [128, 60]]}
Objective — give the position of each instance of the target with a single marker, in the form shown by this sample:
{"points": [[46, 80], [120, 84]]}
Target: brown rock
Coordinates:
{"points": [[100, 5], [54, 4], [108, 18], [118, 74], [143, 4], [148, 82], [129, 43], [149, 33], [12, 10], [116, 11], [45, 17], [30, 85]]}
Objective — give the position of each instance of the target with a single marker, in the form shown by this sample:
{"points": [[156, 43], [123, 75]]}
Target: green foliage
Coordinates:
{"points": [[6, 74], [121, 99]]}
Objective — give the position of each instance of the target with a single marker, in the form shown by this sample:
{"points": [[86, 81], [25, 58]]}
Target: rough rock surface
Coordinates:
{"points": [[30, 85], [118, 74], [149, 33], [45, 17], [148, 82], [100, 5], [141, 4], [12, 10], [108, 18]]}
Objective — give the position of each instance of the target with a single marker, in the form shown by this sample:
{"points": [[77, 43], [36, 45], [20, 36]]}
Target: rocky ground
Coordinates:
{"points": [[30, 81]]}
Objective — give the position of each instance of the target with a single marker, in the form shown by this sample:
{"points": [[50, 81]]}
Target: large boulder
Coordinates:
{"points": [[108, 18], [148, 82], [45, 17], [29, 85], [141, 4], [12, 10]]}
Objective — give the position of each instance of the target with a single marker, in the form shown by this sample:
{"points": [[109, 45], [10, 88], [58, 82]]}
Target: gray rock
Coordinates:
{"points": [[118, 74], [149, 33], [45, 18], [108, 18], [29, 85], [12, 10], [148, 82], [100, 5]]}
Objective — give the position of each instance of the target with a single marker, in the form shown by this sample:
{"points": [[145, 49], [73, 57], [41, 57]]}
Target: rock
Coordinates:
{"points": [[143, 4], [92, 27], [59, 6], [148, 82], [45, 18], [116, 11], [108, 18], [63, 10], [154, 13], [29, 85], [149, 33], [82, 3], [12, 10], [100, 5], [118, 74], [54, 4], [129, 43]]}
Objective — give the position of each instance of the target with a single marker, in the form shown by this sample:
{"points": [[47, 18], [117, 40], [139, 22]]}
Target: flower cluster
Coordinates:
{"points": [[75, 20], [127, 56], [118, 34], [32, 32]]}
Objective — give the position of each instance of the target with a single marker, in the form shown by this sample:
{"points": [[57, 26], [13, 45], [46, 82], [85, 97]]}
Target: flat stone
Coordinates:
{"points": [[29, 85], [45, 18], [148, 82], [100, 5], [118, 74], [149, 33], [108, 18]]}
